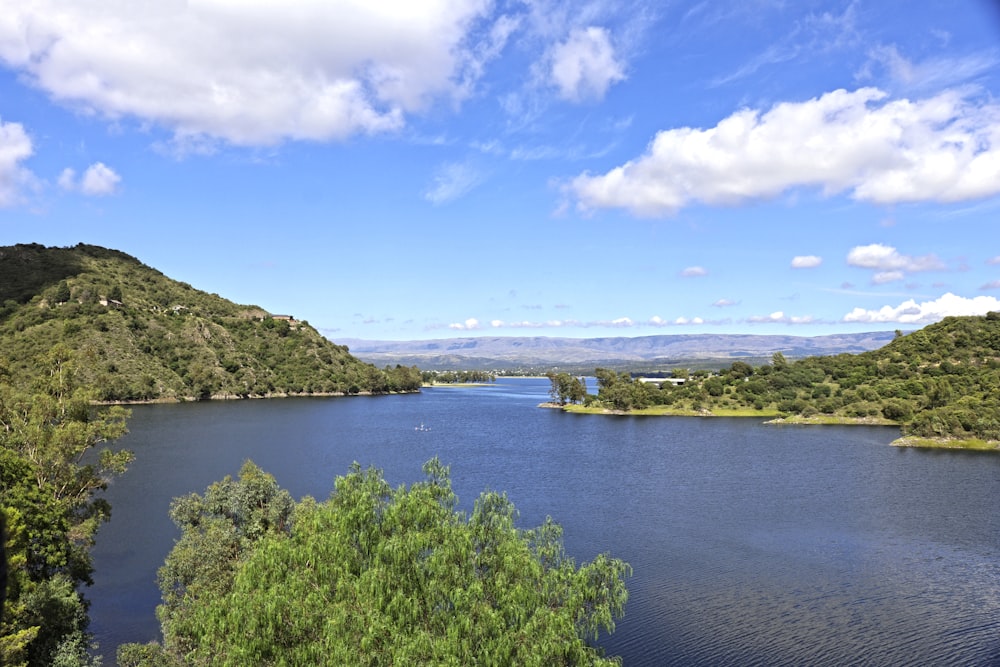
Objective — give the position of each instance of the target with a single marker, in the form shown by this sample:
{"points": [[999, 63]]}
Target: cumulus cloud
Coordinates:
{"points": [[694, 272], [97, 181], [467, 325], [944, 148], [806, 262], [926, 312], [15, 148], [886, 258], [253, 73], [585, 65]]}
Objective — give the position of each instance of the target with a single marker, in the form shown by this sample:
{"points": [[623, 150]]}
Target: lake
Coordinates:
{"points": [[751, 544]]}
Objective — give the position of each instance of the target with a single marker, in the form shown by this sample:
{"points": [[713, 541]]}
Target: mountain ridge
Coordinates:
{"points": [[134, 334], [544, 351]]}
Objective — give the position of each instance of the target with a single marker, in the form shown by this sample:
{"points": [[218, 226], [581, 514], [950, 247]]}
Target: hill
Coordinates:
{"points": [[541, 353], [941, 382], [135, 334]]}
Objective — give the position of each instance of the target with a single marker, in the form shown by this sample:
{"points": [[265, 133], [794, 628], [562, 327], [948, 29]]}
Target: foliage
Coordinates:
{"points": [[457, 377], [942, 381], [139, 336], [566, 388], [50, 470], [381, 576]]}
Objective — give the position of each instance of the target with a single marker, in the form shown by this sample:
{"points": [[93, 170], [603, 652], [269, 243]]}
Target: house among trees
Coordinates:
{"points": [[286, 318]]}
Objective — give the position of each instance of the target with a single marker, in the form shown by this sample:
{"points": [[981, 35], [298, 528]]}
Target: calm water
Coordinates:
{"points": [[751, 544]]}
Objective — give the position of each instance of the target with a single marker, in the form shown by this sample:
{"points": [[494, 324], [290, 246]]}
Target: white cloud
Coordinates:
{"points": [[806, 262], [944, 148], [886, 258], [15, 148], [467, 325], [883, 277], [993, 284], [725, 303], [585, 65], [994, 261], [934, 73], [926, 312], [97, 181], [453, 181], [253, 73], [694, 272], [779, 317]]}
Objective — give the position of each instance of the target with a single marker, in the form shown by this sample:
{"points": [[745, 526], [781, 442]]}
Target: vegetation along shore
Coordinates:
{"points": [[940, 385]]}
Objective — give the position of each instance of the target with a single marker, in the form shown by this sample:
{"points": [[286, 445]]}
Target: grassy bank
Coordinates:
{"points": [[974, 444]]}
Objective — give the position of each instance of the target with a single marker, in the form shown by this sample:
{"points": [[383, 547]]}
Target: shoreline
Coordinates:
{"points": [[252, 397], [909, 441]]}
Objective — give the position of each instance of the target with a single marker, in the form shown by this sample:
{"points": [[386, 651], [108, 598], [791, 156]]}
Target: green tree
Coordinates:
{"points": [[566, 388], [47, 494], [218, 529], [383, 576]]}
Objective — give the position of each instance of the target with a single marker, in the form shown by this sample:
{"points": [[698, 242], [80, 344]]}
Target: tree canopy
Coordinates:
{"points": [[375, 575]]}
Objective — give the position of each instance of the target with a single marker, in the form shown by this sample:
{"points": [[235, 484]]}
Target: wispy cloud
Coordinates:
{"points": [[694, 272], [779, 317], [806, 262], [453, 180], [931, 74]]}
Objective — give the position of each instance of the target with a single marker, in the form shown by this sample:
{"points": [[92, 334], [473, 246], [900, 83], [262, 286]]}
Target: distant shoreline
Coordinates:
{"points": [[969, 444], [237, 397]]}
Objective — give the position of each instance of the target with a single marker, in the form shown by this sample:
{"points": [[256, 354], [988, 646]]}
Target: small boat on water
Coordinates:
{"points": [[421, 427]]}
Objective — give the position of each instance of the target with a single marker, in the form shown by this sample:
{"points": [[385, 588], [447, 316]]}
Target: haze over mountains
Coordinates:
{"points": [[503, 352]]}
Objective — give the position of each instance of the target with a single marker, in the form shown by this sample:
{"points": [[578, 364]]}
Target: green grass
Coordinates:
{"points": [[948, 443], [835, 420], [670, 411]]}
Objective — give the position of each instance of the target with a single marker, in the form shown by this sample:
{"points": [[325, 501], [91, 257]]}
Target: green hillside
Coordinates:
{"points": [[941, 382], [137, 335]]}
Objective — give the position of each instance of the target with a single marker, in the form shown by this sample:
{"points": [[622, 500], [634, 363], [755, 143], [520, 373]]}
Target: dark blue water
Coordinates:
{"points": [[751, 544]]}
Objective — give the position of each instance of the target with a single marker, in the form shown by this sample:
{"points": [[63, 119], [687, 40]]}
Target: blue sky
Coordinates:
{"points": [[411, 170]]}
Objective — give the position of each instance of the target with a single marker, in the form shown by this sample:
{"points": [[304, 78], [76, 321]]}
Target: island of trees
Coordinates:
{"points": [[940, 384]]}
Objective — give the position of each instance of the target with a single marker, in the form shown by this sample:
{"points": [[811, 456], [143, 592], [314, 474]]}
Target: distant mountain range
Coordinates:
{"points": [[541, 352]]}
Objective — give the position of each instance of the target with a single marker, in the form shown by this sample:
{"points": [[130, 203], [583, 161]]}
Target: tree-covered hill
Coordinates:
{"points": [[942, 381], [135, 334]]}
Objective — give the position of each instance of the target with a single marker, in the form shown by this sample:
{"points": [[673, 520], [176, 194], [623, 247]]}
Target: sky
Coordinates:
{"points": [[442, 168]]}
